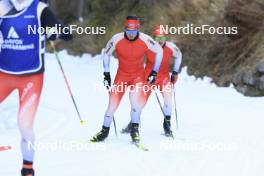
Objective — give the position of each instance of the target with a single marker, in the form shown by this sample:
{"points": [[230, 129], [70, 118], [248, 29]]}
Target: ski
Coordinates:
{"points": [[89, 142], [171, 135], [124, 131], [140, 146], [5, 148], [84, 142]]}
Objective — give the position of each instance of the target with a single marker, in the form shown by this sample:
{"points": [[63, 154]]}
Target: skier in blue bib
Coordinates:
{"points": [[22, 63]]}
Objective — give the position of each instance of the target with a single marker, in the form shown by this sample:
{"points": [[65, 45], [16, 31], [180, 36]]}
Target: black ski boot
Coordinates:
{"points": [[134, 133], [27, 169], [27, 172], [102, 135], [127, 129], [167, 126]]}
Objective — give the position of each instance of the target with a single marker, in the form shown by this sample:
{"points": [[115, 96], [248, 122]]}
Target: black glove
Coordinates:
{"points": [[107, 80], [174, 77], [52, 37], [152, 77], [67, 36]]}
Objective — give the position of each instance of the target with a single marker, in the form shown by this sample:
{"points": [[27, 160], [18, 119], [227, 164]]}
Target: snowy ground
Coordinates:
{"points": [[221, 132]]}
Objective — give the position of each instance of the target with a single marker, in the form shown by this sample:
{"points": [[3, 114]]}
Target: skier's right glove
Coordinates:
{"points": [[152, 77], [107, 80]]}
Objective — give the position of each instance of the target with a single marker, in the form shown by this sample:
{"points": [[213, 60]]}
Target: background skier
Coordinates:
{"points": [[164, 81]]}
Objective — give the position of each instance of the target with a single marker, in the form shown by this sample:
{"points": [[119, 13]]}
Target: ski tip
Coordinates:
{"points": [[89, 142], [4, 148], [140, 146], [145, 149]]}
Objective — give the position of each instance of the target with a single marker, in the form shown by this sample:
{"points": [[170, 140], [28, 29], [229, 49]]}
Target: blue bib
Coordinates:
{"points": [[22, 50]]}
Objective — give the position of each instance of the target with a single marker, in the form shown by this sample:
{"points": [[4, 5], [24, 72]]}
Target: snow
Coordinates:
{"points": [[220, 131]]}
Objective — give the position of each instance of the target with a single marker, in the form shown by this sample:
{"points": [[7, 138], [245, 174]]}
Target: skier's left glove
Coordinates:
{"points": [[174, 77], [66, 35], [107, 80], [152, 77], [51, 35]]}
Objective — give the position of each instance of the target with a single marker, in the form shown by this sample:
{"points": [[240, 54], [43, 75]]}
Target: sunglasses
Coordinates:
{"points": [[160, 38], [131, 32]]}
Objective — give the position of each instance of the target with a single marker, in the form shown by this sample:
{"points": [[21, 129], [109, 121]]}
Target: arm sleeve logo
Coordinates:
{"points": [[111, 44], [151, 42]]}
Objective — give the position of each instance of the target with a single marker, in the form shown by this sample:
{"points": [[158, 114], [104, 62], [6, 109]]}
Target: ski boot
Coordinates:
{"points": [[102, 135], [27, 169], [27, 172], [134, 133], [127, 129], [167, 126]]}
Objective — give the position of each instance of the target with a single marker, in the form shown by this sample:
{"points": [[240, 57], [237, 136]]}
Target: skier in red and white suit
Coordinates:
{"points": [[130, 46], [164, 81]]}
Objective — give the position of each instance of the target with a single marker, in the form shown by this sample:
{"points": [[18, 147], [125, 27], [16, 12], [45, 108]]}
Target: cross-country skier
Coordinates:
{"points": [[22, 63], [164, 81], [130, 46]]}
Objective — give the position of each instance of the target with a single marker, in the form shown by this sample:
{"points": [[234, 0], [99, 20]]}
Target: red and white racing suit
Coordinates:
{"points": [[131, 71], [163, 82]]}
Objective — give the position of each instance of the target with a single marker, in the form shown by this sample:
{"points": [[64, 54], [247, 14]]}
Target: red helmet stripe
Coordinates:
{"points": [[132, 24]]}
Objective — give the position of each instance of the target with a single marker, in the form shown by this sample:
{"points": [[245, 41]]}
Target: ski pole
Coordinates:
{"points": [[113, 116], [115, 125], [82, 122], [175, 107], [157, 97], [156, 94]]}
